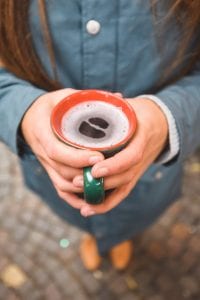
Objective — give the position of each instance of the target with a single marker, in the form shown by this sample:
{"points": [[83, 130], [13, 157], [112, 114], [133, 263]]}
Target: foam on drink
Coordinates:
{"points": [[95, 124]]}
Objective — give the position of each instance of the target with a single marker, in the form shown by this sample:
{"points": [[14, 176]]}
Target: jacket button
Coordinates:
{"points": [[93, 27]]}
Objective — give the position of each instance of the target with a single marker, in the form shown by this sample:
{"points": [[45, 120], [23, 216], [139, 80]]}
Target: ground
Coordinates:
{"points": [[39, 252]]}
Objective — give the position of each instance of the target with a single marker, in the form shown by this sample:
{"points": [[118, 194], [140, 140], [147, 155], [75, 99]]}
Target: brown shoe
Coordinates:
{"points": [[121, 255], [89, 253]]}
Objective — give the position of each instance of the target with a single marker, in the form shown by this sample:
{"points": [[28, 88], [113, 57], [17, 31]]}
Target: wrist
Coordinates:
{"points": [[151, 117], [173, 145]]}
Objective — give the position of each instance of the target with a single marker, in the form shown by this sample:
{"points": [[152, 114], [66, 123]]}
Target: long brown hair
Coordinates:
{"points": [[16, 45], [17, 51]]}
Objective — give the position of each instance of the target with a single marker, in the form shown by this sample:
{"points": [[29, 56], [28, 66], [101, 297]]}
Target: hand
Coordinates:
{"points": [[61, 162], [122, 171]]}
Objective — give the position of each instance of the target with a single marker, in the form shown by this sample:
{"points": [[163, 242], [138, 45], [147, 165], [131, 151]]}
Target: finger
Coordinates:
{"points": [[58, 95], [116, 181], [118, 94], [69, 197], [123, 160], [72, 199], [59, 151], [64, 171], [61, 184], [67, 155], [110, 202], [110, 182]]}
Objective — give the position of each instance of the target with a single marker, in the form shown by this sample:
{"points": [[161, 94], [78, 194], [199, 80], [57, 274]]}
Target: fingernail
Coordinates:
{"points": [[94, 159], [87, 211], [78, 181], [101, 172]]}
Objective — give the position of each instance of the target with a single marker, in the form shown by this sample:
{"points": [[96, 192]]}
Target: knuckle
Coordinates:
{"points": [[104, 209], [61, 187], [78, 160], [138, 156], [60, 193], [127, 179], [61, 171], [130, 176], [126, 190], [70, 90], [51, 152], [75, 162], [118, 167]]}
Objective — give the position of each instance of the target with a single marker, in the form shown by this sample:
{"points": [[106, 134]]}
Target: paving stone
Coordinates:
{"points": [[31, 200], [119, 285], [51, 292], [29, 249], [80, 295], [49, 245], [143, 278], [181, 231], [11, 248], [190, 285], [188, 261], [12, 297], [62, 277], [2, 207], [4, 262], [58, 232], [156, 232], [21, 233], [42, 226], [40, 276], [157, 250], [35, 295], [105, 294], [156, 297], [3, 236], [48, 262], [36, 237], [174, 247], [21, 259], [9, 223], [132, 296], [4, 291], [90, 283], [27, 288], [67, 254], [194, 244], [27, 216], [165, 282]]}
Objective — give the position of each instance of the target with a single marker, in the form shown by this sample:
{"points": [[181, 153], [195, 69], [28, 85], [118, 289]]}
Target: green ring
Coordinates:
{"points": [[93, 187]]}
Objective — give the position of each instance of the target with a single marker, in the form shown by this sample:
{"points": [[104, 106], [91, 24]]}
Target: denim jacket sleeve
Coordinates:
{"points": [[183, 100], [16, 96]]}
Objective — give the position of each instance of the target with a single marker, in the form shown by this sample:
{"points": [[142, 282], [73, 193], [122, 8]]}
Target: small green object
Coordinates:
{"points": [[64, 243], [93, 187]]}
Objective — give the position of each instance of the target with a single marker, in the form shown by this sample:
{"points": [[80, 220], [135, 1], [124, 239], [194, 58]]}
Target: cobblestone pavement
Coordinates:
{"points": [[39, 252]]}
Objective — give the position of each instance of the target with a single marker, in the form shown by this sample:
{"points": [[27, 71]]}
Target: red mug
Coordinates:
{"points": [[97, 123]]}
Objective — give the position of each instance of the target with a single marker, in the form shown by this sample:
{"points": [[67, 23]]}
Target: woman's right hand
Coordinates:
{"points": [[61, 162]]}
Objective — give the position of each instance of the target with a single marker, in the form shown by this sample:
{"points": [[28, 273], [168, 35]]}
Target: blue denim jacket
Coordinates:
{"points": [[123, 55]]}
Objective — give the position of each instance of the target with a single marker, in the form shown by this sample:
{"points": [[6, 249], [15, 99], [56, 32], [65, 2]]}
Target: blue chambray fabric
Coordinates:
{"points": [[129, 54]]}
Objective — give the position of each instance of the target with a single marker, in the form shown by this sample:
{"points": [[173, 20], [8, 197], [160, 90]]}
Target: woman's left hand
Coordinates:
{"points": [[122, 171]]}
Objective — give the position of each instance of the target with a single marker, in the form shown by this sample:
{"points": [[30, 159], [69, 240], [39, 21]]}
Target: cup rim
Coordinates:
{"points": [[89, 95]]}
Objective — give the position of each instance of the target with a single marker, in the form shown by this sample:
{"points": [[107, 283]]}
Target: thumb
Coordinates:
{"points": [[59, 95]]}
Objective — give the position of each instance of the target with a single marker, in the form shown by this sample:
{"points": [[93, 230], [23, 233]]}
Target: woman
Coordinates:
{"points": [[146, 50]]}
